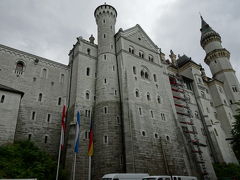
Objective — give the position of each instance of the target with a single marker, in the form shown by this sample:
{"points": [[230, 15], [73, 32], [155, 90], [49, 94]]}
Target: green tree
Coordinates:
{"points": [[236, 135], [227, 171], [24, 160]]}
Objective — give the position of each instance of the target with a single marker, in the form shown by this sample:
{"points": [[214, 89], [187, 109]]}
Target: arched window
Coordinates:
{"points": [[2, 99], [150, 58], [40, 97], [148, 96], [44, 73], [155, 77], [134, 70], [143, 133], [19, 67], [146, 75], [87, 95], [159, 99], [142, 74], [137, 93], [131, 50], [88, 71], [88, 51], [141, 54], [59, 101]]}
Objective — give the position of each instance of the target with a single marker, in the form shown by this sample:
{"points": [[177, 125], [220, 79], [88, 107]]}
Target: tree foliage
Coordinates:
{"points": [[227, 171], [236, 135], [25, 160]]}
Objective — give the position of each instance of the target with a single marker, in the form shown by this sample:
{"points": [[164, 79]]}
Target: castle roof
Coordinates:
{"points": [[6, 88]]}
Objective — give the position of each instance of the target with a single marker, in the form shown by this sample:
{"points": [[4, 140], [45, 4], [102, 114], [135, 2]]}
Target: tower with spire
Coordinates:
{"points": [[218, 59]]}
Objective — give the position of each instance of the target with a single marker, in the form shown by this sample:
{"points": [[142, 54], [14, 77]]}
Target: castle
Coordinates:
{"points": [[149, 114]]}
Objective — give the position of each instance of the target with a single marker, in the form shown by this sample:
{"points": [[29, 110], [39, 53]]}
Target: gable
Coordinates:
{"points": [[137, 35]]}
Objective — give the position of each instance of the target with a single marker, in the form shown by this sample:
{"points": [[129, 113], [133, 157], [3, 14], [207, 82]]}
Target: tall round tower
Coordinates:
{"points": [[108, 153], [218, 59]]}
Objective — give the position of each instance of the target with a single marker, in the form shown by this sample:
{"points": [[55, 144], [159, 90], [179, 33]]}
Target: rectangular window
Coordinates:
{"points": [[62, 78], [45, 139], [29, 137], [59, 101], [140, 111], [105, 110], [151, 114], [105, 140], [163, 116], [33, 115], [2, 99], [48, 117]]}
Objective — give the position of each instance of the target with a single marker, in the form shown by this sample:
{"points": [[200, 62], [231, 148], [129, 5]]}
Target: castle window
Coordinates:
{"points": [[146, 75], [140, 111], [29, 136], [118, 120], [105, 56], [2, 99], [148, 96], [142, 74], [19, 67], [111, 46], [143, 133], [105, 139], [59, 101], [156, 135], [104, 35], [163, 117], [88, 51], [115, 92], [158, 99], [87, 95], [62, 78], [151, 113], [48, 117], [137, 93], [131, 50], [231, 102], [113, 68], [88, 71], [33, 116], [45, 139], [44, 73], [134, 70], [104, 21], [216, 132], [150, 58], [141, 54], [168, 138], [234, 88], [105, 109], [155, 77], [34, 79], [40, 97], [105, 81]]}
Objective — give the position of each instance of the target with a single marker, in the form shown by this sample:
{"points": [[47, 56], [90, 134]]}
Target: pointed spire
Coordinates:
{"points": [[205, 25]]}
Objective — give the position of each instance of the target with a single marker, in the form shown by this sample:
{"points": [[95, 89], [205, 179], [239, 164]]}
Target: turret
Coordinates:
{"points": [[107, 127], [218, 59]]}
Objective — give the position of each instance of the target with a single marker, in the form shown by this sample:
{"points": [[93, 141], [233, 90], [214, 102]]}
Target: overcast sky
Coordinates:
{"points": [[49, 28]]}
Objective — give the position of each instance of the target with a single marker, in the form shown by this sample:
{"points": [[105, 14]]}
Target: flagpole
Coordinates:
{"points": [[59, 155], [89, 168], [74, 165]]}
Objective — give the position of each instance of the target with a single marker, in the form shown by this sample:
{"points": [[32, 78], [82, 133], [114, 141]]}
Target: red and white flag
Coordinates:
{"points": [[63, 126]]}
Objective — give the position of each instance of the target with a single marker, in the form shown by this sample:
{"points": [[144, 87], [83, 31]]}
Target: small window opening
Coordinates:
{"points": [[87, 95], [152, 114], [45, 139], [29, 136], [44, 73], [105, 139], [140, 111], [19, 67], [40, 97], [105, 56], [59, 101], [113, 68], [155, 77], [88, 51], [2, 99], [33, 115], [48, 117], [105, 110], [148, 97], [62, 78], [88, 71], [156, 135], [134, 70], [137, 93], [159, 99], [143, 133]]}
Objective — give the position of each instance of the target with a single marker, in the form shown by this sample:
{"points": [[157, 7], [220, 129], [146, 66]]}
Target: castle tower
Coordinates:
{"points": [[108, 154], [218, 59]]}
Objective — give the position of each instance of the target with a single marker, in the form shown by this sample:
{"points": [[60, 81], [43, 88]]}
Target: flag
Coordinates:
{"points": [[77, 133], [63, 126], [90, 145]]}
